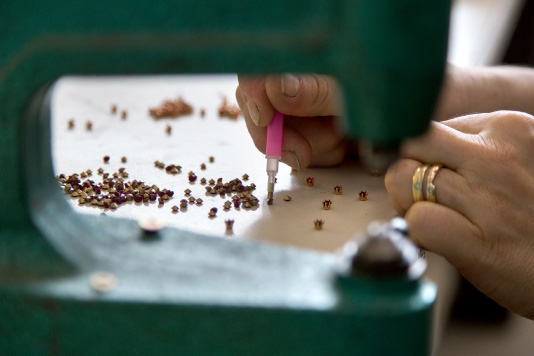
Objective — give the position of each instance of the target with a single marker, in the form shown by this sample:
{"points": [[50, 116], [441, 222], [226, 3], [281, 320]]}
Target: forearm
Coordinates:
{"points": [[486, 89]]}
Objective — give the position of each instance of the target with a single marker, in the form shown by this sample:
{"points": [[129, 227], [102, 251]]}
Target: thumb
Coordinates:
{"points": [[304, 94]]}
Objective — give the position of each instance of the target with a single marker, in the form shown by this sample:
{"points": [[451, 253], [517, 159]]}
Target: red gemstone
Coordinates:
{"points": [[106, 158], [170, 193], [138, 198], [270, 202], [192, 178], [106, 205], [123, 198], [214, 210], [152, 197], [237, 203]]}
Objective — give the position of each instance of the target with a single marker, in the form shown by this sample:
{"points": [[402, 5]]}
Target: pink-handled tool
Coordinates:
{"points": [[273, 151]]}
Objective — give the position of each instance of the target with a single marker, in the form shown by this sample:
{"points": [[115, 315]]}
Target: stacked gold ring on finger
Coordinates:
{"points": [[417, 182], [430, 188]]}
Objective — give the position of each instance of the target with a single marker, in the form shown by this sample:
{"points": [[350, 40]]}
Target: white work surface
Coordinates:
{"points": [[193, 139]]}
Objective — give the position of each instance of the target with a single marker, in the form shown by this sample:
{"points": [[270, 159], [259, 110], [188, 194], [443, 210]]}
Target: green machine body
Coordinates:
{"points": [[187, 294]]}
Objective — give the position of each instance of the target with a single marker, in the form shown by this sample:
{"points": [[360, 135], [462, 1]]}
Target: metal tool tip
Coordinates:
{"points": [[378, 157]]}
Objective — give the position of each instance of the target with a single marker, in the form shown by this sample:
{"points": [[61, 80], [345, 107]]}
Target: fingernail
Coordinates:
{"points": [[291, 159], [290, 85], [253, 111]]}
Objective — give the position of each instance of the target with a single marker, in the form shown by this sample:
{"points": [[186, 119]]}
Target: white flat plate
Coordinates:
{"points": [[193, 139]]}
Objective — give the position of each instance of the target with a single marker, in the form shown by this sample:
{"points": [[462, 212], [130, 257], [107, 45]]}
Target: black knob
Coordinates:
{"points": [[387, 252]]}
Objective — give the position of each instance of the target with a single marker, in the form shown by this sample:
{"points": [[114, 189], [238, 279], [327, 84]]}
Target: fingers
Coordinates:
{"points": [[330, 158], [301, 95], [452, 189], [254, 101], [304, 94], [444, 231], [296, 151], [441, 144], [321, 132], [470, 124], [306, 141]]}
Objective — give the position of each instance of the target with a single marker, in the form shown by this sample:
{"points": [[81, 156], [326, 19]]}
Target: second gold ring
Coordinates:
{"points": [[430, 188], [417, 182]]}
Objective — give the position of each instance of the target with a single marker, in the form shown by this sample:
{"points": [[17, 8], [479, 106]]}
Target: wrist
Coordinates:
{"points": [[462, 93]]}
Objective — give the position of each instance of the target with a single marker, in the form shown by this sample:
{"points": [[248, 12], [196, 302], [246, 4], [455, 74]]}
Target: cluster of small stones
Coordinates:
{"points": [[242, 193], [229, 111], [171, 109], [170, 168], [113, 191]]}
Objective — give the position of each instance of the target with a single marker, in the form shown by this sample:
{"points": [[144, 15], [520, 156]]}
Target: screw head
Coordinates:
{"points": [[151, 225], [103, 281]]}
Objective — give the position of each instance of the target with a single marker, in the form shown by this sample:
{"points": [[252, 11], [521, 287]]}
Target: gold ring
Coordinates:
{"points": [[417, 182], [430, 187]]}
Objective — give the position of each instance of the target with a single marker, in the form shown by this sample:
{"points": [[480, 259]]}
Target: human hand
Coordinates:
{"points": [[310, 103], [483, 221]]}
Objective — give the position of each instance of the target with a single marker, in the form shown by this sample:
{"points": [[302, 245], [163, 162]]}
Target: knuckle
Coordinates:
{"points": [[507, 138], [498, 152], [514, 122]]}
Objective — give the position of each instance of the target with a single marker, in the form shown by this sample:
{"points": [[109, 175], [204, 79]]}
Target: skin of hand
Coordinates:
{"points": [[469, 90], [310, 103], [483, 221]]}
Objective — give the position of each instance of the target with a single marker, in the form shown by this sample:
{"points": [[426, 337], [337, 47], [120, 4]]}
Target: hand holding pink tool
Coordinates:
{"points": [[273, 151]]}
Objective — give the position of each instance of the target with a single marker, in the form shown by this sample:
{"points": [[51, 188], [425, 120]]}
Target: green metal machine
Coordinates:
{"points": [[184, 294]]}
